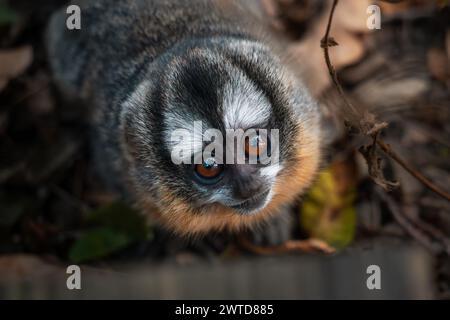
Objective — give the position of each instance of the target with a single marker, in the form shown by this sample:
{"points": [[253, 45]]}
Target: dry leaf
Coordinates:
{"points": [[311, 245], [348, 23], [350, 49], [438, 64], [3, 83], [24, 266], [395, 92], [447, 45], [41, 100], [401, 6], [351, 15], [315, 72], [14, 62]]}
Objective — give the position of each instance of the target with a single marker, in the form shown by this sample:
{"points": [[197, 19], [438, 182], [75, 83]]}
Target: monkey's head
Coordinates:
{"points": [[219, 136]]}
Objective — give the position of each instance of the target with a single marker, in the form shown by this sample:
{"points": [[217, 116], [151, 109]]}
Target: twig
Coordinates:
{"points": [[434, 232], [388, 150], [325, 44], [374, 165], [31, 94], [368, 124], [290, 246], [409, 227], [72, 200]]}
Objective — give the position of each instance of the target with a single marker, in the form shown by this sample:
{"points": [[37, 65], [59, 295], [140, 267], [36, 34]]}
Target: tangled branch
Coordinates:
{"points": [[369, 126]]}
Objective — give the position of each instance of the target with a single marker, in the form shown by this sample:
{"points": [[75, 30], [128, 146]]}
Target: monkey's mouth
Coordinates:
{"points": [[252, 205]]}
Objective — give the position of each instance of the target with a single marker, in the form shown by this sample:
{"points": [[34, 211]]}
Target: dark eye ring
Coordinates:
{"points": [[209, 171]]}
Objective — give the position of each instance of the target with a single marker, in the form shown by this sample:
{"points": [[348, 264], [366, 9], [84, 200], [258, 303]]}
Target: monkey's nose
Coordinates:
{"points": [[252, 204], [246, 193], [247, 183]]}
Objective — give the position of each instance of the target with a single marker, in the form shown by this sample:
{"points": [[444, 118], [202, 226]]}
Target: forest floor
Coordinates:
{"points": [[52, 206]]}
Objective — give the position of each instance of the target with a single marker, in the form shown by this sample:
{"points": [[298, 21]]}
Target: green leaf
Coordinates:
{"points": [[328, 213], [120, 217], [117, 226], [7, 15], [98, 243]]}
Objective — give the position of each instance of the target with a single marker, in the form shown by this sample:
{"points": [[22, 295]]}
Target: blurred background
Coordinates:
{"points": [[54, 213]]}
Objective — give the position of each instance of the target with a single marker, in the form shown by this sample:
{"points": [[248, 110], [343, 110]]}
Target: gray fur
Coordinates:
{"points": [[148, 67]]}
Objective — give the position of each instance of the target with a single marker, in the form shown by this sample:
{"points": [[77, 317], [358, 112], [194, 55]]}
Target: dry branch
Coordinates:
{"points": [[369, 126]]}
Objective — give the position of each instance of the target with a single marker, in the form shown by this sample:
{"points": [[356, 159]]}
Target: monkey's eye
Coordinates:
{"points": [[209, 171], [255, 146]]}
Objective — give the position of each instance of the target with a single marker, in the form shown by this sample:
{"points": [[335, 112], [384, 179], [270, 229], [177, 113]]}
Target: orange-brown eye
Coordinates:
{"points": [[209, 169], [255, 146]]}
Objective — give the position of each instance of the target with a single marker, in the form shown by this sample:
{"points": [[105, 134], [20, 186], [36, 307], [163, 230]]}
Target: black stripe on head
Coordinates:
{"points": [[264, 71]]}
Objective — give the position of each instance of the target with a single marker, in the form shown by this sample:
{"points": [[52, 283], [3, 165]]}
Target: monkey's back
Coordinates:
{"points": [[145, 66], [118, 38], [119, 41]]}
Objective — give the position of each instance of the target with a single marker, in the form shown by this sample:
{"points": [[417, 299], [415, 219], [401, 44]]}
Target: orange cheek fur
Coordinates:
{"points": [[178, 216]]}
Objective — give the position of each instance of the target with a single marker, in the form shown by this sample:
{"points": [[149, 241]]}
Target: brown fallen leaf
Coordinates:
{"points": [[291, 246], [395, 93], [438, 64], [348, 26], [39, 96], [22, 266], [349, 50], [396, 6], [13, 62], [352, 16], [291, 17], [447, 45], [3, 84]]}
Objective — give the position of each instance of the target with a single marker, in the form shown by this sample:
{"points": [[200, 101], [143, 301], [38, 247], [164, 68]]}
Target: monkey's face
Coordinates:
{"points": [[221, 136]]}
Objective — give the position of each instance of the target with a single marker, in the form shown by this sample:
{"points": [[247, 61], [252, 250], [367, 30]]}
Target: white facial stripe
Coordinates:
{"points": [[244, 105], [220, 196], [193, 137], [270, 172]]}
